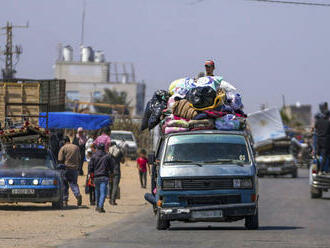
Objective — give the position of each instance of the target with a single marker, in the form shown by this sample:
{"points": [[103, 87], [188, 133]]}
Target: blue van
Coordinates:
{"points": [[208, 176]]}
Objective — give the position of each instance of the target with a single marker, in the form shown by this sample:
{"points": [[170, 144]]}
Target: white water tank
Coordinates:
{"points": [[99, 56], [67, 53], [87, 54]]}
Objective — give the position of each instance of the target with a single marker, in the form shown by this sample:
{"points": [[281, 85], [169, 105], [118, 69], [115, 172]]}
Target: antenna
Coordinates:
{"points": [[9, 72], [83, 24]]}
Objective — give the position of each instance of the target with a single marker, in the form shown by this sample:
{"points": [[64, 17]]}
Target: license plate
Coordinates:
{"points": [[22, 191], [274, 169], [207, 214]]}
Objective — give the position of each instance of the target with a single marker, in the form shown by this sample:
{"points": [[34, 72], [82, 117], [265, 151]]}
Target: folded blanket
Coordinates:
{"points": [[183, 109], [175, 130], [207, 123]]}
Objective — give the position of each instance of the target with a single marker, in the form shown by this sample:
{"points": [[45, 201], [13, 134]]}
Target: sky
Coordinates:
{"points": [[265, 50]]}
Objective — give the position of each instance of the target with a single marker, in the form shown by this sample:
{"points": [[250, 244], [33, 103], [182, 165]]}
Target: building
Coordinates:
{"points": [[86, 79], [301, 114]]}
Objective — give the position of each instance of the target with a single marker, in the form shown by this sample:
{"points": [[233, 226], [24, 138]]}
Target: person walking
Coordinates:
{"points": [[118, 156], [69, 155], [101, 165], [80, 140], [142, 164], [104, 138]]}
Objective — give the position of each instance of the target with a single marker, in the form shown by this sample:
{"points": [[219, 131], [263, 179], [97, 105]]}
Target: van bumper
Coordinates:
{"points": [[228, 211]]}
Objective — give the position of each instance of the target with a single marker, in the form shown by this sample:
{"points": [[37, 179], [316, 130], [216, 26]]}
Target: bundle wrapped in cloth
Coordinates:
{"points": [[195, 104]]}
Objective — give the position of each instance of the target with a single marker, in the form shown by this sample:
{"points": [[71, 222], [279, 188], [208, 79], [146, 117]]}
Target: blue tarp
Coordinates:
{"points": [[75, 120]]}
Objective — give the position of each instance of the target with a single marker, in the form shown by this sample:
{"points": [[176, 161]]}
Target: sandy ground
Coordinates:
{"points": [[38, 225]]}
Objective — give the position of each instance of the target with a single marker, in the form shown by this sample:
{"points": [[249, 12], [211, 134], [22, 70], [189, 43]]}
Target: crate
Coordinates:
{"points": [[51, 92]]}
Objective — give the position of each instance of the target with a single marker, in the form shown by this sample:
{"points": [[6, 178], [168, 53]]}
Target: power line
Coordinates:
{"points": [[293, 3], [278, 2]]}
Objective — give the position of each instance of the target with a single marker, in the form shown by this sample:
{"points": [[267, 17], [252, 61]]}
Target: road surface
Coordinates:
{"points": [[288, 218]]}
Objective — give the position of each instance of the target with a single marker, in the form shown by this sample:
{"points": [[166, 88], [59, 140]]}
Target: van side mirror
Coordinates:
{"points": [[151, 158]]}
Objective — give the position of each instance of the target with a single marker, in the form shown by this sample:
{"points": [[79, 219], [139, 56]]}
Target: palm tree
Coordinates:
{"points": [[112, 97]]}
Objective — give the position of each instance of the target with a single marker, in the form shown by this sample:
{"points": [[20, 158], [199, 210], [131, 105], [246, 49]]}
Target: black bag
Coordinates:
{"points": [[201, 97]]}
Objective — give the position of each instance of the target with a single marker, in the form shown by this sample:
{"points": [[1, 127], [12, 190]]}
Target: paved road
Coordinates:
{"points": [[288, 218]]}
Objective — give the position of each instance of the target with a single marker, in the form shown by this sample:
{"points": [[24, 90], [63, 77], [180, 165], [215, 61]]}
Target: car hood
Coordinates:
{"points": [[206, 170], [29, 173], [129, 143], [275, 158]]}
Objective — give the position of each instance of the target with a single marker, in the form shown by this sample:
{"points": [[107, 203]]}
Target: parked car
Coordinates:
{"points": [[28, 173], [274, 157], [129, 139], [206, 176]]}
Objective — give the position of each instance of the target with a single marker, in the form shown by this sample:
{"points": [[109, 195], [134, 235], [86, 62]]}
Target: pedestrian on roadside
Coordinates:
{"points": [[54, 143], [104, 138], [101, 165], [80, 140], [118, 155], [89, 145], [90, 185], [69, 155], [142, 165]]}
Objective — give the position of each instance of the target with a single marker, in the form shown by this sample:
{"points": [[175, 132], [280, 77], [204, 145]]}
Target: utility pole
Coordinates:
{"points": [[9, 51]]}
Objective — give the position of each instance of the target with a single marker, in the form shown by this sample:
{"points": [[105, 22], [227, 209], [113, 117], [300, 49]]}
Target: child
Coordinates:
{"points": [[90, 186], [141, 164]]}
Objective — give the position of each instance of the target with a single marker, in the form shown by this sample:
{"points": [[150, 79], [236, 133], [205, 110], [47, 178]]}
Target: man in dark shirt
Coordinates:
{"points": [[322, 132], [101, 164], [118, 156]]}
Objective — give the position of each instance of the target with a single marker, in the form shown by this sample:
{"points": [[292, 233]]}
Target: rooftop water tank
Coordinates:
{"points": [[67, 53], [87, 54], [99, 56]]}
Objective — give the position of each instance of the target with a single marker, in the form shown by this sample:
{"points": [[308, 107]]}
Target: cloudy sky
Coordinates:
{"points": [[264, 49]]}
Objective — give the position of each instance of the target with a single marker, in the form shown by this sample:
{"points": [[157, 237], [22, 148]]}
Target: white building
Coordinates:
{"points": [[87, 79]]}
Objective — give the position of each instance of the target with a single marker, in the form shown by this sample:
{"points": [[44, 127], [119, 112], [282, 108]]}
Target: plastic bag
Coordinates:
{"points": [[201, 97], [154, 109], [235, 101], [228, 122], [180, 87]]}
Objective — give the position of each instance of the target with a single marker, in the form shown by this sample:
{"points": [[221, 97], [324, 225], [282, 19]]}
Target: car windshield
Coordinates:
{"points": [[26, 160], [207, 148], [122, 136]]}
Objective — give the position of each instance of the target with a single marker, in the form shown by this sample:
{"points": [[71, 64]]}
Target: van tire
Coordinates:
{"points": [[295, 174], [252, 221], [316, 193], [161, 224]]}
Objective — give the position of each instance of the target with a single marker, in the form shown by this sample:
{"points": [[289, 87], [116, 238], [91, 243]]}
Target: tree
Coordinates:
{"points": [[112, 97]]}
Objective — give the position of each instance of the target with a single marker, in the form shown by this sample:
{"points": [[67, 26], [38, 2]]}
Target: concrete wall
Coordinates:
{"points": [[86, 91], [82, 72], [86, 81]]}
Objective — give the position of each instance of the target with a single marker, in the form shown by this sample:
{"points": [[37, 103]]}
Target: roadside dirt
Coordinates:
{"points": [[38, 225]]}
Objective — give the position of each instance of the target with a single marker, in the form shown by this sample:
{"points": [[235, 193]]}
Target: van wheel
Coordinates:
{"points": [[161, 224], [316, 193], [252, 221], [295, 174]]}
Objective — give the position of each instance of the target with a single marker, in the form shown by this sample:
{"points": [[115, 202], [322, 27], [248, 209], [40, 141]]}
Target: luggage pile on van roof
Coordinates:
{"points": [[195, 104]]}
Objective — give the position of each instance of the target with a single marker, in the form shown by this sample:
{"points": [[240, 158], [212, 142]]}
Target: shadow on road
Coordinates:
{"points": [[37, 208], [236, 228]]}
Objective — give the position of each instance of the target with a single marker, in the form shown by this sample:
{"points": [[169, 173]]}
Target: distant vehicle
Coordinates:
{"points": [[28, 174], [128, 138], [274, 157], [318, 183], [206, 176]]}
